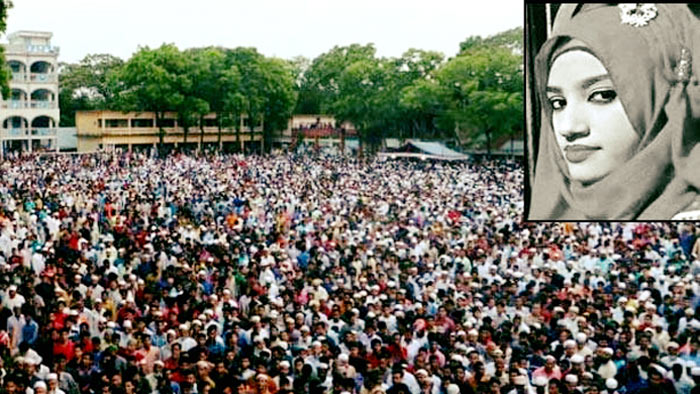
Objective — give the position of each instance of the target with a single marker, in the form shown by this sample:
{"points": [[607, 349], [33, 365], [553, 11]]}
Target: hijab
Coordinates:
{"points": [[651, 67]]}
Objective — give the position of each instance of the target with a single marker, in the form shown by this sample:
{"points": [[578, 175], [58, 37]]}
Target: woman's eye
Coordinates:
{"points": [[603, 96], [557, 103]]}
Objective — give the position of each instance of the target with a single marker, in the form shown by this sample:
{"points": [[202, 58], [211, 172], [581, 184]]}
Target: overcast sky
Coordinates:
{"points": [[282, 28]]}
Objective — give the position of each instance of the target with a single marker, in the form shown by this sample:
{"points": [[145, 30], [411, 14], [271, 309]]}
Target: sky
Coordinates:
{"points": [[281, 28]]}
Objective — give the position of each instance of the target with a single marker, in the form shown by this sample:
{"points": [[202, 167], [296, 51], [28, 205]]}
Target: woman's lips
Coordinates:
{"points": [[578, 153]]}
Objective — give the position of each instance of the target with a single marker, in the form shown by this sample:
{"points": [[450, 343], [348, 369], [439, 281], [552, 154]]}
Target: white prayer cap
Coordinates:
{"points": [[540, 381], [571, 379], [577, 359]]}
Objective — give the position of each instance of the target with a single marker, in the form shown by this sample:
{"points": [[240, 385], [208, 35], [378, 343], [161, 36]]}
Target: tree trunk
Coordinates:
{"points": [[238, 132], [161, 132], [218, 124], [360, 144], [251, 126], [488, 143], [201, 132]]}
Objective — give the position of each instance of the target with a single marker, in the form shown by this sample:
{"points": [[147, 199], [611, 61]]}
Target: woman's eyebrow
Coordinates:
{"points": [[585, 84], [588, 82]]}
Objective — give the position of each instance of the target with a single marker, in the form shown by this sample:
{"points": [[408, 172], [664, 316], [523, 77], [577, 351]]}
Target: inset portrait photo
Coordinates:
{"points": [[613, 112]]}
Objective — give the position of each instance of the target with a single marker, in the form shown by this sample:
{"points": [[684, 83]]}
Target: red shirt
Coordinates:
{"points": [[67, 349]]}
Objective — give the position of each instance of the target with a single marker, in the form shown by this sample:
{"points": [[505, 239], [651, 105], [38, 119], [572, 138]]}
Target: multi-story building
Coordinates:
{"points": [[109, 130], [30, 115]]}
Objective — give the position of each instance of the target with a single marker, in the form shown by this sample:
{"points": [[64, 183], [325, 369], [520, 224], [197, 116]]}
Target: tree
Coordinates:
{"points": [[485, 92], [234, 105], [222, 81], [401, 118], [511, 39], [280, 96], [321, 79], [5, 73], [308, 97], [423, 101], [250, 63], [153, 80], [360, 99], [198, 90], [86, 85]]}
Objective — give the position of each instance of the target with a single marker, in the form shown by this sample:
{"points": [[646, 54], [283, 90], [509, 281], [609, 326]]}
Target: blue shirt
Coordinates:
{"points": [[30, 332]]}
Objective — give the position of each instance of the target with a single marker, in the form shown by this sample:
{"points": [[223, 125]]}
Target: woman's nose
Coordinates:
{"points": [[571, 123]]}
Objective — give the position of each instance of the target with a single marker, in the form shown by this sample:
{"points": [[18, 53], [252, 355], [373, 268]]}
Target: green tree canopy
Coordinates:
{"points": [[153, 80], [86, 85], [5, 73], [475, 97], [485, 92]]}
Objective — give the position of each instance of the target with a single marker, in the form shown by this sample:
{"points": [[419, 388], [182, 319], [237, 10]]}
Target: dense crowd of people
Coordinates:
{"points": [[308, 274]]}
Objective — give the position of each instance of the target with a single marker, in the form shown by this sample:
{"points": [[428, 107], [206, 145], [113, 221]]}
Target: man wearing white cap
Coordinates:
{"points": [[344, 368], [453, 389], [684, 321], [550, 369], [581, 345], [284, 371], [695, 375], [608, 368], [428, 384], [571, 382], [12, 299], [40, 387], [520, 385], [611, 386], [672, 357], [540, 384], [185, 340], [577, 366], [52, 378]]}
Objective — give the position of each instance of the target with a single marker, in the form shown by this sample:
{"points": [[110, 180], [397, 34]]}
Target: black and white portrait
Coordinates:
{"points": [[614, 121]]}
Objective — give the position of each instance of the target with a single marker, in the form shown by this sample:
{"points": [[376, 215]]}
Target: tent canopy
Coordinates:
{"points": [[432, 150]]}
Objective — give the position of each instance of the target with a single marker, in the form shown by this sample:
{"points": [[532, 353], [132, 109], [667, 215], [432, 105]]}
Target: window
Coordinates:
{"points": [[210, 123], [99, 123], [141, 122], [116, 123], [166, 123], [246, 123]]}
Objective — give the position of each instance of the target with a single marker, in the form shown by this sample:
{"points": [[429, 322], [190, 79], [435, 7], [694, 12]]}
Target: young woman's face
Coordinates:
{"points": [[591, 127]]}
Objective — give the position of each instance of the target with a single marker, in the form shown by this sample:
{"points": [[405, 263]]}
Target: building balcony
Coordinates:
{"points": [[34, 77], [20, 104], [43, 77], [44, 131], [47, 49], [24, 133]]}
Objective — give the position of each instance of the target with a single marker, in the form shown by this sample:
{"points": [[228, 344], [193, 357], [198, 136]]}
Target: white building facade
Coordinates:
{"points": [[30, 116]]}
